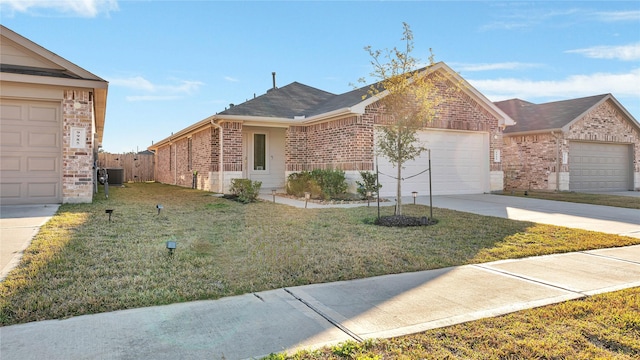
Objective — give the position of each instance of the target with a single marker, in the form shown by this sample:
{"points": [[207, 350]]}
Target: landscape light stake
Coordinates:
{"points": [[307, 196], [273, 193], [159, 207], [171, 246], [415, 194], [109, 211]]}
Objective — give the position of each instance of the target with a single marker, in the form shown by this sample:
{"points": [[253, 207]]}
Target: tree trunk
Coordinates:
{"points": [[399, 175], [399, 190]]}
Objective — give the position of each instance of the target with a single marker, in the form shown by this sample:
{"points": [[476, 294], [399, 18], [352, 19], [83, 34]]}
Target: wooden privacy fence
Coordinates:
{"points": [[137, 167]]}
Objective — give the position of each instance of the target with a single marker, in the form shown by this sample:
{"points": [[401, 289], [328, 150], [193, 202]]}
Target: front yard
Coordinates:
{"points": [[82, 263]]}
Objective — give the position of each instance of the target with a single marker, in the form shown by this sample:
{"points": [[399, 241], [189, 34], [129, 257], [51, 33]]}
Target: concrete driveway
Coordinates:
{"points": [[606, 219], [18, 225]]}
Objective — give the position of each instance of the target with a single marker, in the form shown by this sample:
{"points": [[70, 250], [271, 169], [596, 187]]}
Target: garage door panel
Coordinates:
{"points": [[10, 190], [10, 163], [43, 139], [31, 152], [11, 112], [11, 137], [599, 166], [42, 190], [36, 163], [458, 160], [44, 114]]}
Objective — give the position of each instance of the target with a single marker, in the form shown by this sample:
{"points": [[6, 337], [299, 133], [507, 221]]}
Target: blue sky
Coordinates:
{"points": [[172, 63]]}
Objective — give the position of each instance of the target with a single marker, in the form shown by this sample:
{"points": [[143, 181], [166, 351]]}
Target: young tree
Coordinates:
{"points": [[408, 98]]}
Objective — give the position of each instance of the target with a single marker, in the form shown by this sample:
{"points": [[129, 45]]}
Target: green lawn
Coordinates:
{"points": [[82, 263]]}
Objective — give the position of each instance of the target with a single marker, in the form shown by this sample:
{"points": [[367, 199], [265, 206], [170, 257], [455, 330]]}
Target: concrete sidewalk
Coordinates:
{"points": [[254, 325]]}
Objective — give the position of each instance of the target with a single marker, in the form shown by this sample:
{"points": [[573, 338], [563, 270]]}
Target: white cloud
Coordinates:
{"points": [[154, 92], [136, 82], [629, 52], [494, 66], [614, 16], [82, 8], [620, 85], [134, 98], [231, 79]]}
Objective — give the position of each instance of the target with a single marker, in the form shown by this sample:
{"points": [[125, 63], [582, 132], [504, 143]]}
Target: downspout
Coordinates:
{"points": [[220, 157]]}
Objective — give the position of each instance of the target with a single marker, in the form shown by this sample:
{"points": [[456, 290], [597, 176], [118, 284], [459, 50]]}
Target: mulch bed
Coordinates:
{"points": [[402, 221]]}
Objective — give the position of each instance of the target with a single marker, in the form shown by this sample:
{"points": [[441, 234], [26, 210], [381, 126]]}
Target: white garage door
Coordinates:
{"points": [[30, 151], [460, 163], [598, 166]]}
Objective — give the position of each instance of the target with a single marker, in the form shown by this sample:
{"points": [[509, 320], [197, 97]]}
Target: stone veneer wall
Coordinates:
{"points": [[531, 160], [78, 171]]}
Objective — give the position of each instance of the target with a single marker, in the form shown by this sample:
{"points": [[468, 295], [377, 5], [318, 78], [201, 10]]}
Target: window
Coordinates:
{"points": [[259, 152]]}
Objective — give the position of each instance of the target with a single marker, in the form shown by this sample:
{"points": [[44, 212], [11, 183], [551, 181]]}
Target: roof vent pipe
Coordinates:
{"points": [[273, 75]]}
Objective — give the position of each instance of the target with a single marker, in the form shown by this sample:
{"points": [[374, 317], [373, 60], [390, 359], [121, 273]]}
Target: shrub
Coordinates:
{"points": [[326, 184], [246, 190], [332, 182], [368, 184]]}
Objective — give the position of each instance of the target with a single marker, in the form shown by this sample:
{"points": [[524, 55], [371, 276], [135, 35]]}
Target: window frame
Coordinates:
{"points": [[266, 164]]}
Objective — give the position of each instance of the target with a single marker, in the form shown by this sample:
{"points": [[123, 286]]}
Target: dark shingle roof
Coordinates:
{"points": [[297, 99], [341, 101], [547, 116], [291, 100]]}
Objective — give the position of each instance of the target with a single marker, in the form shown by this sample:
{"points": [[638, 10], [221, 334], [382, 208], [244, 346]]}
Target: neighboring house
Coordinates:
{"points": [[52, 116], [585, 144], [297, 127]]}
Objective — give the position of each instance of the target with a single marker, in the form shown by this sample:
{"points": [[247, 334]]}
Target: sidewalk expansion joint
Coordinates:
{"points": [[529, 279], [326, 317], [611, 258]]}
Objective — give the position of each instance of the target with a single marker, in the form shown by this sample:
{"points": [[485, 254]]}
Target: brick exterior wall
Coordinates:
{"points": [[78, 172], [345, 144], [175, 164], [348, 144], [199, 151], [531, 161]]}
